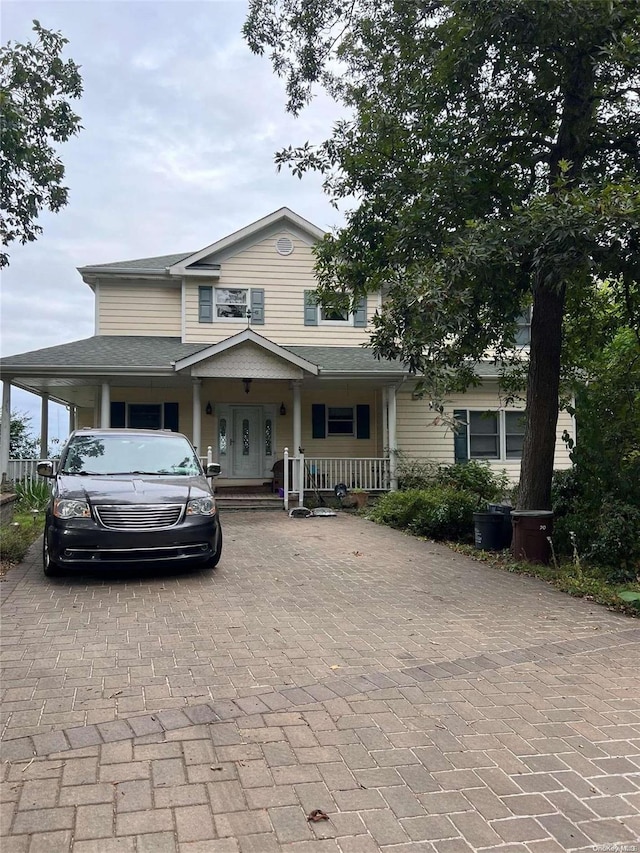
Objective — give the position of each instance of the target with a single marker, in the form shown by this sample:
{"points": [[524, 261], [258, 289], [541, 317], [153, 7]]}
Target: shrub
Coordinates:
{"points": [[14, 542], [33, 494], [416, 474], [616, 541], [439, 512], [477, 478]]}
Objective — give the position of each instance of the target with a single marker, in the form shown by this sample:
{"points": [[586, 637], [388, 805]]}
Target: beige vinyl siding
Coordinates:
{"points": [[422, 435], [139, 309], [284, 279]]}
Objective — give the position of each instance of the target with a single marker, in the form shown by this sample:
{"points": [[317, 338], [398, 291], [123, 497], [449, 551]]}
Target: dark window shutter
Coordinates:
{"points": [[360, 314], [460, 451], [171, 420], [205, 305], [310, 309], [118, 415], [363, 419], [257, 306], [318, 421]]}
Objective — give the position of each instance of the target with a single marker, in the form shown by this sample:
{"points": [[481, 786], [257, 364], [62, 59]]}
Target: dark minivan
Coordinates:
{"points": [[129, 496]]}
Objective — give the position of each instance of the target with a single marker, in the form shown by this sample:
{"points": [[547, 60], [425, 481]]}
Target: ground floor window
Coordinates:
{"points": [[489, 434], [145, 415]]}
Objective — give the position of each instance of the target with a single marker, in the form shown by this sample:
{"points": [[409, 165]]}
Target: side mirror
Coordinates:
{"points": [[46, 468], [213, 469]]}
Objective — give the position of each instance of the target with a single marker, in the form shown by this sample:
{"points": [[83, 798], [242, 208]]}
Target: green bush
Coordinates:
{"points": [[415, 474], [616, 541], [439, 512], [14, 542], [478, 478], [33, 494]]}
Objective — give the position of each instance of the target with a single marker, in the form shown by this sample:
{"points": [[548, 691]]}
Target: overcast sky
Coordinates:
{"points": [[181, 122]]}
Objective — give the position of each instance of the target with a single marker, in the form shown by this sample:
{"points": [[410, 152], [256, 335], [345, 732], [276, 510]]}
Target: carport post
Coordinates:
{"points": [[197, 415], [44, 425], [5, 432], [105, 406]]}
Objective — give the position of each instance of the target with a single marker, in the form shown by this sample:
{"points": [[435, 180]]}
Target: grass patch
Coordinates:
{"points": [[17, 536], [588, 582]]}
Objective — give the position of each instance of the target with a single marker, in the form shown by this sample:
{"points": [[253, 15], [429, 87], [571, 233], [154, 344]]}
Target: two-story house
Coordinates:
{"points": [[228, 345]]}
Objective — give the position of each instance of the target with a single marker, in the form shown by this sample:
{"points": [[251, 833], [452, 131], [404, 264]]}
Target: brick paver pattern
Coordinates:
{"points": [[426, 703]]}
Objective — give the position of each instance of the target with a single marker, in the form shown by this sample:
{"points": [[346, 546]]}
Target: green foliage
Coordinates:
{"points": [[632, 598], [439, 512], [33, 494], [35, 83], [598, 500], [478, 478], [492, 147], [22, 444], [17, 536]]}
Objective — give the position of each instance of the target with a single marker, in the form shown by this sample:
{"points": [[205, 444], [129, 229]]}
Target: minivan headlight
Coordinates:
{"points": [[201, 506], [71, 509]]}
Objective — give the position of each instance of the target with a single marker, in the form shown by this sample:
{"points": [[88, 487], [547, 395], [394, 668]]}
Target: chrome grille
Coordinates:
{"points": [[138, 516]]}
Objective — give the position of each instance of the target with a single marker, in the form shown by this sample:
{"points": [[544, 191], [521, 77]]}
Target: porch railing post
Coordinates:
{"points": [[301, 478], [286, 478]]}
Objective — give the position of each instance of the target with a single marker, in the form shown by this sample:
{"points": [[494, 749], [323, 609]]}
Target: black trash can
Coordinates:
{"points": [[488, 534], [507, 528], [532, 531]]}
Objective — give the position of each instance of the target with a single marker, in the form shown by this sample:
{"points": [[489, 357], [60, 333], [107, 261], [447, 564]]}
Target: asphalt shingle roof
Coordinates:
{"points": [[107, 350], [347, 360], [160, 263]]}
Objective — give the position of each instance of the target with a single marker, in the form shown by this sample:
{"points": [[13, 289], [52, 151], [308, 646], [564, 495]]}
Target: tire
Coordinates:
{"points": [[49, 568], [213, 561]]}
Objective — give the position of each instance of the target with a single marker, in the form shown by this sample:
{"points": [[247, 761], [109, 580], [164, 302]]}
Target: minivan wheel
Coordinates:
{"points": [[48, 566]]}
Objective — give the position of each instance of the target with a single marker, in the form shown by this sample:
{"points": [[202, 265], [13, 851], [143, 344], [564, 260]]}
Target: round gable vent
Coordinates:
{"points": [[284, 245]]}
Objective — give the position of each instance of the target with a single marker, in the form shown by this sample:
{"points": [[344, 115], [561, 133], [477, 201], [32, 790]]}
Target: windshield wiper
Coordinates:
{"points": [[82, 473], [125, 473]]}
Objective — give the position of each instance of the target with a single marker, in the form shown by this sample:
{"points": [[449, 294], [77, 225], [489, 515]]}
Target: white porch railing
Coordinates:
{"points": [[324, 473], [23, 469]]}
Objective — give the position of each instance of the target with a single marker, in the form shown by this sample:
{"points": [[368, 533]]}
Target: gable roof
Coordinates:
{"points": [[279, 218], [177, 264], [248, 335]]}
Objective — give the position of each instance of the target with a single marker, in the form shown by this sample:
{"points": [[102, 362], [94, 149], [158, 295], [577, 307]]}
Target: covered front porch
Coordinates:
{"points": [[242, 403]]}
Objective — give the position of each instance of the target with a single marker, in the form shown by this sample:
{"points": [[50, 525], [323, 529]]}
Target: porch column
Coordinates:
{"points": [[297, 431], [385, 420], [105, 406], [44, 425], [5, 432], [393, 443], [72, 418], [197, 415]]}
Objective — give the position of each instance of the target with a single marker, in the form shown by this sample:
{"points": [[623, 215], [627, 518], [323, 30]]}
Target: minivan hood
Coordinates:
{"points": [[131, 488]]}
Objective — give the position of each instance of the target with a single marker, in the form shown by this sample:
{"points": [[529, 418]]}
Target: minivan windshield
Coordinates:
{"points": [[130, 454]]}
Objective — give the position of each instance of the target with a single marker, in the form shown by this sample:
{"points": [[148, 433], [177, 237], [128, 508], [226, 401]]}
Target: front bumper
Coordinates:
{"points": [[80, 541]]}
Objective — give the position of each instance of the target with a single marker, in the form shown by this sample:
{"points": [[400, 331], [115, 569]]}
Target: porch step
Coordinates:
{"points": [[246, 502]]}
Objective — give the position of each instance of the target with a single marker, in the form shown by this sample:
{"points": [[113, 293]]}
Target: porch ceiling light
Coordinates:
{"points": [[247, 385]]}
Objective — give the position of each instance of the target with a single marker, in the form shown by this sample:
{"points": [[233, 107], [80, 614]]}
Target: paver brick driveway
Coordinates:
{"points": [[424, 702]]}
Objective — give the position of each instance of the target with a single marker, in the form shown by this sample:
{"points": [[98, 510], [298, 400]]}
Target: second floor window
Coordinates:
{"points": [[230, 303]]}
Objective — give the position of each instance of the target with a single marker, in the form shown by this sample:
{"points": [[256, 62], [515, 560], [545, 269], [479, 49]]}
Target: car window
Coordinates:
{"points": [[128, 454]]}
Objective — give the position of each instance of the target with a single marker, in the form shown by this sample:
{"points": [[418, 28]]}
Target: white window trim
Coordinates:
{"points": [[247, 306], [341, 323], [528, 313], [351, 434], [502, 436]]}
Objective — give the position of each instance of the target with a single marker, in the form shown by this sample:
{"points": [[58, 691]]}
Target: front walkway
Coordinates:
{"points": [[424, 702]]}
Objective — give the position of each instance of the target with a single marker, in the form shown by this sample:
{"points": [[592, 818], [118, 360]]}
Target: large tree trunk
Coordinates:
{"points": [[542, 399]]}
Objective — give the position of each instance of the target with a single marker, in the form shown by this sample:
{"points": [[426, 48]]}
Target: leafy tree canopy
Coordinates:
{"points": [[493, 150], [35, 85], [22, 444]]}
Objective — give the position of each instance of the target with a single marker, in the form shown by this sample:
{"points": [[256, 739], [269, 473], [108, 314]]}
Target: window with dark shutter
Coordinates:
{"points": [[460, 449], [318, 421], [363, 422]]}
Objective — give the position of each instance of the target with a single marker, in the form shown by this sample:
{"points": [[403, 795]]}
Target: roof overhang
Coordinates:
{"points": [[248, 335]]}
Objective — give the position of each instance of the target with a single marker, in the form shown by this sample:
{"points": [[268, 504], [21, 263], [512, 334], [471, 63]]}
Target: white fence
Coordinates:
{"points": [[369, 473], [23, 469]]}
